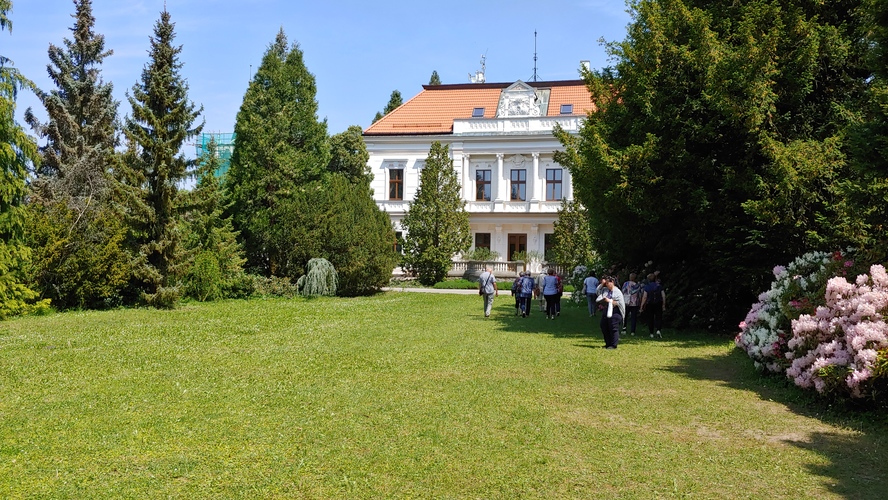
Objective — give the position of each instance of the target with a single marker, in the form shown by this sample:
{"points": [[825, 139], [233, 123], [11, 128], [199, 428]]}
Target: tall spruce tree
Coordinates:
{"points": [[17, 153], [437, 223], [74, 227], [717, 142], [279, 145], [434, 79], [81, 131], [162, 120]]}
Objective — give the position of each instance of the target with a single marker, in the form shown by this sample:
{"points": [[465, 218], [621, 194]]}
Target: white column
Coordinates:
{"points": [[536, 181], [566, 184], [467, 182], [502, 184], [534, 244], [499, 247]]}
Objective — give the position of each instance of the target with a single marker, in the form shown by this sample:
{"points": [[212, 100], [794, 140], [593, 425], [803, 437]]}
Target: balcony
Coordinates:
{"points": [[516, 126], [513, 207]]}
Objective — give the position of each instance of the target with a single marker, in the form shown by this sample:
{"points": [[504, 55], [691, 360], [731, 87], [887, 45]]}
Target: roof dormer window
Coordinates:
{"points": [[478, 113], [567, 109]]}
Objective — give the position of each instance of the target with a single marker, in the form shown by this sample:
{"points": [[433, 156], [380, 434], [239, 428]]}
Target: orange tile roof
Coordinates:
{"points": [[433, 110]]}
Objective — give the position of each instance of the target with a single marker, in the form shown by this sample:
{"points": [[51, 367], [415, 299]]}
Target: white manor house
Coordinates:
{"points": [[501, 142]]}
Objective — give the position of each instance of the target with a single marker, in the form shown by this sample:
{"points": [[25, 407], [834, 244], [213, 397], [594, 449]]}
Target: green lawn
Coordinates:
{"points": [[405, 395]]}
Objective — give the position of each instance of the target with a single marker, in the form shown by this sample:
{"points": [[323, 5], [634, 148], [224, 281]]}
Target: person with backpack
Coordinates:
{"points": [[516, 288], [526, 293], [487, 289], [654, 301]]}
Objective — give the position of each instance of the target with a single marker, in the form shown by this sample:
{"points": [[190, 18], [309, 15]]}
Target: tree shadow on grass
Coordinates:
{"points": [[856, 462]]}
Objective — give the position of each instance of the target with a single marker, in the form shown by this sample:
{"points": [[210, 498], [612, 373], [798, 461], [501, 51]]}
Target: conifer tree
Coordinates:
{"points": [[395, 100], [208, 235], [437, 223], [81, 130], [435, 79], [349, 156], [162, 120], [17, 152], [74, 227], [279, 145], [718, 140], [572, 245]]}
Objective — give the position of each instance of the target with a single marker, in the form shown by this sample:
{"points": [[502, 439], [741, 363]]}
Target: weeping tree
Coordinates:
{"points": [[320, 279]]}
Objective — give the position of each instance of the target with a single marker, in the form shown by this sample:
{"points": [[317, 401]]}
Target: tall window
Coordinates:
{"points": [[396, 184], [482, 185], [548, 241], [399, 238], [519, 184], [553, 184], [482, 240]]}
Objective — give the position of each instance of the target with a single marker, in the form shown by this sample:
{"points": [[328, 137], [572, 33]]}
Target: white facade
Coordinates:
{"points": [[500, 148]]}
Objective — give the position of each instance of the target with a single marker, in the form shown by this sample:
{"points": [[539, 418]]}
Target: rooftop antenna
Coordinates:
{"points": [[479, 77], [534, 78]]}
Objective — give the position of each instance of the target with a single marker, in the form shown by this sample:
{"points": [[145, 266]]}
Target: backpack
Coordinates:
{"points": [[655, 295]]}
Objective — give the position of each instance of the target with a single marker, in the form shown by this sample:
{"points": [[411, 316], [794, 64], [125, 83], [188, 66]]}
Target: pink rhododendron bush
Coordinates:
{"points": [[821, 330]]}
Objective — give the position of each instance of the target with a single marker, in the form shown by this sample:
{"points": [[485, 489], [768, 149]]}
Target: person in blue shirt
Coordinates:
{"points": [[550, 291], [590, 290]]}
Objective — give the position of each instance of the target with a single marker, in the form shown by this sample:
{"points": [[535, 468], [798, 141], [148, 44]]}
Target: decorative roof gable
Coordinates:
{"points": [[521, 100]]}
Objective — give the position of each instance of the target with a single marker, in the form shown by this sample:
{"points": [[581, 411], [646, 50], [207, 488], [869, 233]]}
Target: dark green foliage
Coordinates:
{"points": [[718, 158], [395, 100], [17, 151], [212, 259], [349, 156], [867, 190], [337, 220], [279, 146], [434, 79], [572, 245], [162, 120], [78, 262], [436, 223]]}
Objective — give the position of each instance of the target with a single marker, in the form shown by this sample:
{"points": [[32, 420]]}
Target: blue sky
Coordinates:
{"points": [[359, 51]]}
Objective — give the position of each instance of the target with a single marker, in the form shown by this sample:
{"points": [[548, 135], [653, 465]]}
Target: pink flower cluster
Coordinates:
{"points": [[838, 346]]}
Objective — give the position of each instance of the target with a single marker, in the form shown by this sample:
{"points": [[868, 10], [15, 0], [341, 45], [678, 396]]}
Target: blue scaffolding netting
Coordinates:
{"points": [[224, 147]]}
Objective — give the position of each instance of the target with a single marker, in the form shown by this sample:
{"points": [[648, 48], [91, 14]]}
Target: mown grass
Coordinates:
{"points": [[405, 395]]}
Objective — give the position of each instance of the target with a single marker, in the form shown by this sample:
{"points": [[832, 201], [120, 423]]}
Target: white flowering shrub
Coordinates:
{"points": [[767, 328], [576, 279]]}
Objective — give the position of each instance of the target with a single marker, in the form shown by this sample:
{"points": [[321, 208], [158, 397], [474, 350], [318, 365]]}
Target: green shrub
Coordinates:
{"points": [[204, 280], [273, 286], [458, 284]]}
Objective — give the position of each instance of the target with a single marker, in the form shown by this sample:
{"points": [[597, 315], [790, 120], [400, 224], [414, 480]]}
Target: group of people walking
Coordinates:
{"points": [[620, 306]]}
